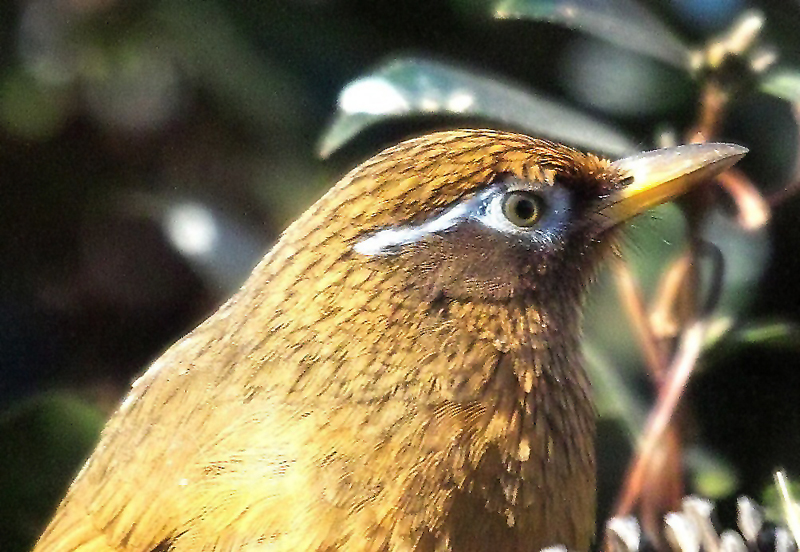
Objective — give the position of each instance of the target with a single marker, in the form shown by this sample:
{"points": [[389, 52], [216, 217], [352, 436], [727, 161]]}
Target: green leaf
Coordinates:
{"points": [[621, 22], [770, 333], [615, 397], [213, 52], [418, 87], [31, 109], [712, 475], [783, 83], [43, 441], [746, 255], [773, 500], [652, 242]]}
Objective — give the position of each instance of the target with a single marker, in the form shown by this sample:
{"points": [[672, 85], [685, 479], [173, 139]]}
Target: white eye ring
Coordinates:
{"points": [[545, 231]]}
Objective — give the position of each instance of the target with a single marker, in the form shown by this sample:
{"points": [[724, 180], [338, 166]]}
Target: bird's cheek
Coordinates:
{"points": [[473, 276]]}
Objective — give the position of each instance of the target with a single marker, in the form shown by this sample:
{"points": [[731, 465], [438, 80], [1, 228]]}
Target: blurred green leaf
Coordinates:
{"points": [[770, 333], [615, 398], [622, 22], [134, 87], [252, 87], [620, 83], [712, 476], [31, 109], [651, 243], [745, 255], [42, 440], [773, 502], [783, 83], [417, 87]]}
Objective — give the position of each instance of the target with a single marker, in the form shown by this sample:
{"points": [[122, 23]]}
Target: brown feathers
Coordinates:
{"points": [[431, 399]]}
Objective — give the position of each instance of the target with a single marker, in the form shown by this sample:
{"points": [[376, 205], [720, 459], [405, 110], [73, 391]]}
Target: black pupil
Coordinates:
{"points": [[525, 208]]}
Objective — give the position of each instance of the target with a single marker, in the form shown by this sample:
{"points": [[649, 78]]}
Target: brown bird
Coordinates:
{"points": [[401, 371]]}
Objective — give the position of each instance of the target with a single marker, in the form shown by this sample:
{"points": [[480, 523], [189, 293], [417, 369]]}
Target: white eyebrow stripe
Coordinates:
{"points": [[485, 208], [384, 241]]}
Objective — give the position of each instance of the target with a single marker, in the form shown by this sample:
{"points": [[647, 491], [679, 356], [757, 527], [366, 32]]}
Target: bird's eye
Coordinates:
{"points": [[523, 208]]}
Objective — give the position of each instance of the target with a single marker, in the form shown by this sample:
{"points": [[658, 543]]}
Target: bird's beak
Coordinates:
{"points": [[655, 177]]}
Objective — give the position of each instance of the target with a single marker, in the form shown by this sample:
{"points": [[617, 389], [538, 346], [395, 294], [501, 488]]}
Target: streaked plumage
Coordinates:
{"points": [[426, 395]]}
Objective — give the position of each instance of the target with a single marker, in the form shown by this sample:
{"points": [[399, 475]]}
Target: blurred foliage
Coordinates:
{"points": [[49, 436], [151, 150]]}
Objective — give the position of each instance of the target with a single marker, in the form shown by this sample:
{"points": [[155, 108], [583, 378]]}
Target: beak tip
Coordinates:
{"points": [[708, 157], [731, 151], [658, 176]]}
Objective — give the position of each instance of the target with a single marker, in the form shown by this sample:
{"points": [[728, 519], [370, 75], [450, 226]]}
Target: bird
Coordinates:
{"points": [[402, 370]]}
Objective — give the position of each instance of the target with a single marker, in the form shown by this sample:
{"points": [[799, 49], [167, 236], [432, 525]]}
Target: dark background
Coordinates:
{"points": [[125, 125]]}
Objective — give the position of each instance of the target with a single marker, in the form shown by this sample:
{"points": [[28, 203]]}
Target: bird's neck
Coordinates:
{"points": [[495, 390], [354, 335]]}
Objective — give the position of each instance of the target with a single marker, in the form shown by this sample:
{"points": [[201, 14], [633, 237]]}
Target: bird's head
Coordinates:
{"points": [[486, 215], [462, 245]]}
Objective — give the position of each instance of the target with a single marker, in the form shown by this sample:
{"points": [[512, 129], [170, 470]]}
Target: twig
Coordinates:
{"points": [[631, 297], [669, 396]]}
